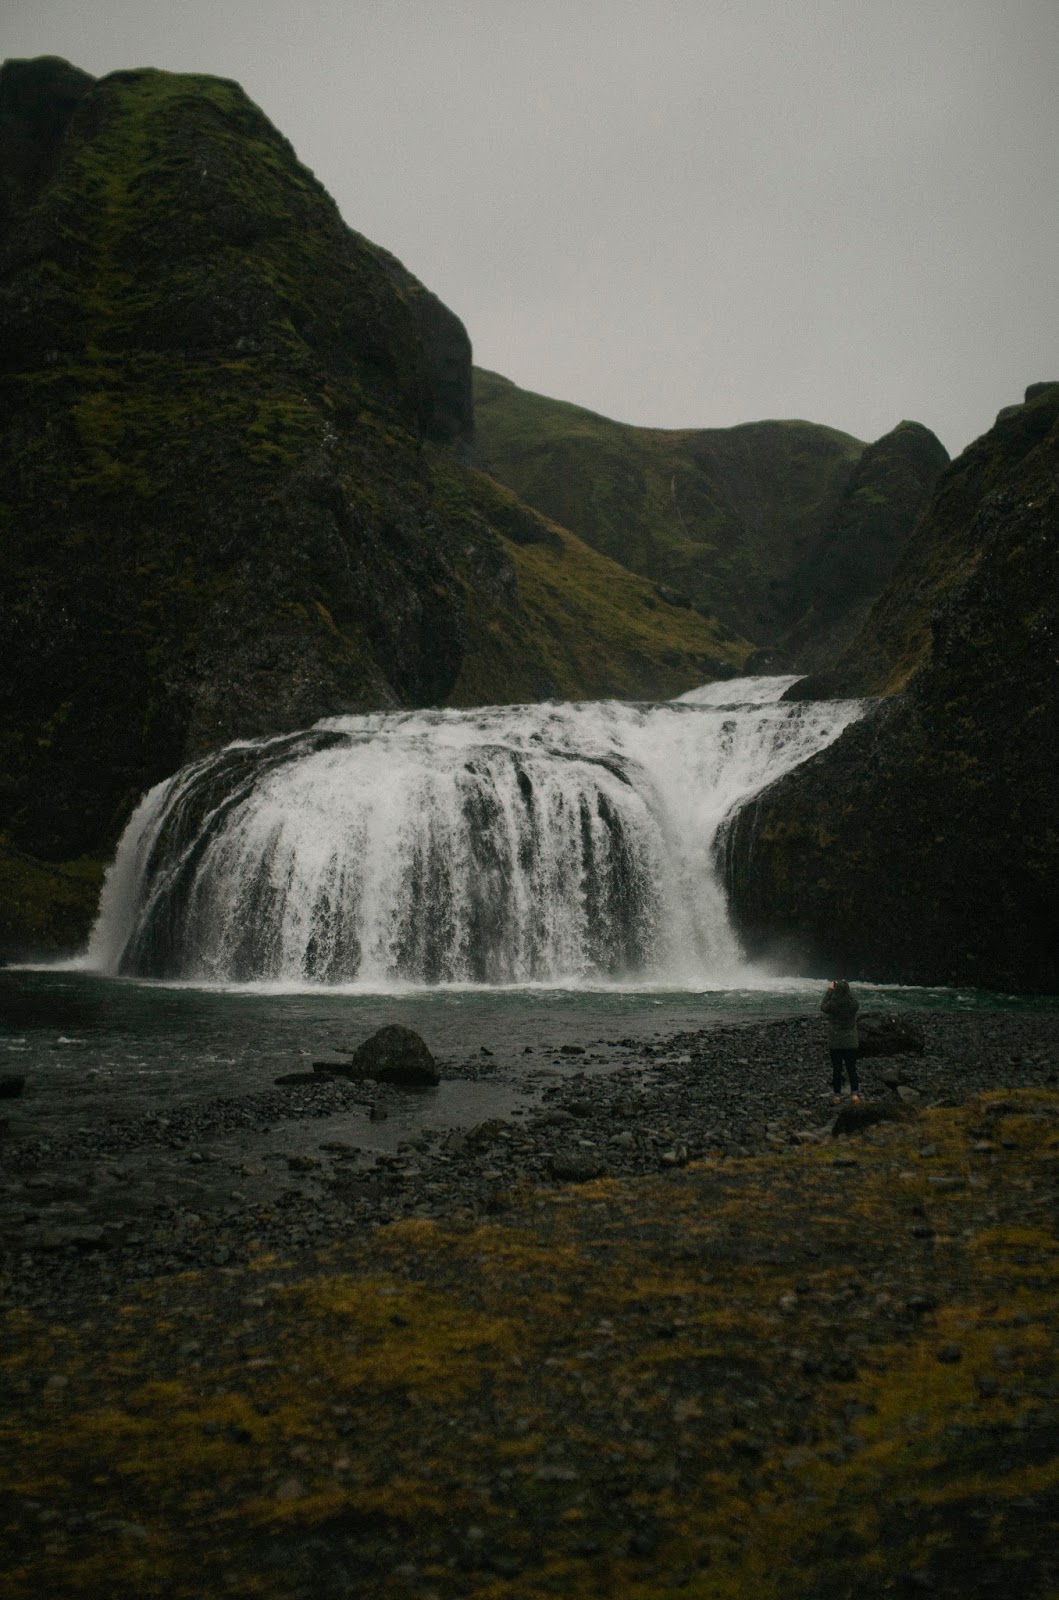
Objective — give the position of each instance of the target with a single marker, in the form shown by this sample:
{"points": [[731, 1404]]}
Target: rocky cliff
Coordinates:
{"points": [[922, 846], [860, 543], [234, 497], [783, 531]]}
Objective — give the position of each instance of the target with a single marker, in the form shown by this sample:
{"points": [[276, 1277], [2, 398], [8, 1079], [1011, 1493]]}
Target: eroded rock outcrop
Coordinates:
{"points": [[921, 847]]}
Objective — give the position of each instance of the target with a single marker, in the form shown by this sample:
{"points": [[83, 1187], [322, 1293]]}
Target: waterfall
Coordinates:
{"points": [[550, 844]]}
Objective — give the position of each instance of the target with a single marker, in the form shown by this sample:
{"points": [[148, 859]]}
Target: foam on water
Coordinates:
{"points": [[555, 844]]}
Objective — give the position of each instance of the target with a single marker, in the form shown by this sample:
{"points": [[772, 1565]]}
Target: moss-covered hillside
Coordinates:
{"points": [[922, 846], [765, 526], [231, 499]]}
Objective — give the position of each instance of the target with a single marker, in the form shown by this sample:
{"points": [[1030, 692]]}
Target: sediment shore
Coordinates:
{"points": [[202, 1183]]}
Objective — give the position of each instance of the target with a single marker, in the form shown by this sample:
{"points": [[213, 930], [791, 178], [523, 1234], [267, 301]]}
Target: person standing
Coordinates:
{"points": [[840, 1007]]}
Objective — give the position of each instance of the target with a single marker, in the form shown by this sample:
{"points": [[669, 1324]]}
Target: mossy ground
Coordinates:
{"points": [[827, 1373]]}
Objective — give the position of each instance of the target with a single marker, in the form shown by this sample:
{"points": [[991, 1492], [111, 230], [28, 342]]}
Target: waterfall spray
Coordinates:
{"points": [[552, 844]]}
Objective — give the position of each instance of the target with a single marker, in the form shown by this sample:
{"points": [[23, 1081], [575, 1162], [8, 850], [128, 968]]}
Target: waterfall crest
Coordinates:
{"points": [[552, 844]]}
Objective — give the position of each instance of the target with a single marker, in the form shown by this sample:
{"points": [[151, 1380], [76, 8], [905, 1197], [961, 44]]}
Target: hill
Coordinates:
{"points": [[921, 847], [233, 496], [780, 530]]}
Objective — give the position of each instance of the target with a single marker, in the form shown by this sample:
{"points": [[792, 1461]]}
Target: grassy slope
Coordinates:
{"points": [[581, 626], [722, 515], [793, 1377]]}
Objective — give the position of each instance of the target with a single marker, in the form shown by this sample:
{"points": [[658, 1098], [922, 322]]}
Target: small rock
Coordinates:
{"points": [[575, 1168], [303, 1163], [855, 1118], [289, 1489], [487, 1132], [571, 1049], [949, 1353], [11, 1086], [907, 1094]]}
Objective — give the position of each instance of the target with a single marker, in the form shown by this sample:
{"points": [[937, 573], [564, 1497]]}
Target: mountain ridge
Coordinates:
{"points": [[731, 518]]}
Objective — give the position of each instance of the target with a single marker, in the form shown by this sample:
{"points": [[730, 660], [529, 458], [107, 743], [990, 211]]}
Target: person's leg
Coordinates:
{"points": [[836, 1071], [851, 1068]]}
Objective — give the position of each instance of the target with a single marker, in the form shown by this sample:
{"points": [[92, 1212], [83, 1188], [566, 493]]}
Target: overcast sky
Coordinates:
{"points": [[678, 214]]}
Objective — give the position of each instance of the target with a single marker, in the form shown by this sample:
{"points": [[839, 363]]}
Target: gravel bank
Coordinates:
{"points": [[212, 1182]]}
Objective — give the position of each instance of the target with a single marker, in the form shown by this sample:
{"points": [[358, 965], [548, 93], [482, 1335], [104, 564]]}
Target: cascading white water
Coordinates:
{"points": [[555, 843]]}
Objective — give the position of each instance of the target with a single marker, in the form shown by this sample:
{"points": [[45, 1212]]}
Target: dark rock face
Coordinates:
{"points": [[217, 512], [862, 540], [37, 100], [396, 1055], [921, 846]]}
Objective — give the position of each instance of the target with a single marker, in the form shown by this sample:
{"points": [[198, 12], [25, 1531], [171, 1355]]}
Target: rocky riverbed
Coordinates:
{"points": [[823, 1368], [213, 1181]]}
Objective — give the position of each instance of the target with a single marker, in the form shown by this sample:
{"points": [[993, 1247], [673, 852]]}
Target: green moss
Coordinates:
{"points": [[45, 908]]}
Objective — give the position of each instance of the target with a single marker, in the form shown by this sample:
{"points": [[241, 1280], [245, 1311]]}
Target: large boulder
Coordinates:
{"points": [[881, 1035], [396, 1055]]}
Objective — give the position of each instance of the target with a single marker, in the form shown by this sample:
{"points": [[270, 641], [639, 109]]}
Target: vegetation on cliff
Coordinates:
{"points": [[922, 846], [781, 530], [226, 506]]}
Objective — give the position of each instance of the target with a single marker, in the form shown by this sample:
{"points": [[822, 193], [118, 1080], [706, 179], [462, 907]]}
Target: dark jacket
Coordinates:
{"points": [[840, 1007]]}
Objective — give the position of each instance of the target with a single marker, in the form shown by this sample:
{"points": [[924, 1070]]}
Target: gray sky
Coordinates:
{"points": [[678, 214]]}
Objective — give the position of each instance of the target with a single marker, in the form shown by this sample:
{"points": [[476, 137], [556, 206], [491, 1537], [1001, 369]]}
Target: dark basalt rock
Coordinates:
{"points": [[11, 1086], [576, 1168], [396, 1054], [882, 1035], [921, 846]]}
